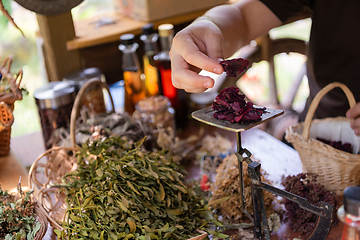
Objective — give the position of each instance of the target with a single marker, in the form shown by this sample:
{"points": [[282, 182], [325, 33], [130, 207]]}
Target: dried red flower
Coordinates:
{"points": [[305, 185], [231, 106], [233, 67]]}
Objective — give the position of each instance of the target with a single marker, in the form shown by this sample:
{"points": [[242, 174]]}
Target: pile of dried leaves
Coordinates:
{"points": [[305, 185], [227, 184], [17, 217], [120, 191], [102, 126]]}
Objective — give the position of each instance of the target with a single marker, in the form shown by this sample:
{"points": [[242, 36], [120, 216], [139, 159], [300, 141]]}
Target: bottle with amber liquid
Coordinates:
{"points": [[134, 83], [150, 38], [349, 213], [177, 97]]}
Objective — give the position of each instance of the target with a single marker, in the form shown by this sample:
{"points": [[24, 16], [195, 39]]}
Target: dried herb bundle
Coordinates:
{"points": [[17, 217], [122, 192], [227, 184], [305, 185]]}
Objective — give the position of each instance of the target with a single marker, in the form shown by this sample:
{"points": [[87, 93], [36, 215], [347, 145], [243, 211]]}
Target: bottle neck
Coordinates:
{"points": [[166, 43], [150, 43], [130, 61]]}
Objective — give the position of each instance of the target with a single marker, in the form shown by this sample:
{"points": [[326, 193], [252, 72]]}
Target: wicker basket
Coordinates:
{"points": [[336, 169], [51, 166], [39, 215], [6, 120], [78, 104], [9, 99]]}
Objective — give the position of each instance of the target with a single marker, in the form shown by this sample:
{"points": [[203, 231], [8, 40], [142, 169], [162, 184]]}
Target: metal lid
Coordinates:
{"points": [[54, 95], [93, 72], [352, 200], [127, 39], [148, 29], [166, 30]]}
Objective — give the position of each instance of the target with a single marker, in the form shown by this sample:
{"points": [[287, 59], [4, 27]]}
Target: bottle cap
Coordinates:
{"points": [[148, 29], [166, 30], [352, 200], [127, 39]]}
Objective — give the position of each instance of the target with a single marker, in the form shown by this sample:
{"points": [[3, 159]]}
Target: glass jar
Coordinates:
{"points": [[54, 101], [155, 111], [93, 98]]}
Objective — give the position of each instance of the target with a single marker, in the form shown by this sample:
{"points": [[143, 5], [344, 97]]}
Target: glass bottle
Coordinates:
{"points": [[177, 97], [134, 83], [150, 38], [349, 213]]}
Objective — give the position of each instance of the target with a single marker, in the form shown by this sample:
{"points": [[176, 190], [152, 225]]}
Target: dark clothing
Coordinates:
{"points": [[333, 50]]}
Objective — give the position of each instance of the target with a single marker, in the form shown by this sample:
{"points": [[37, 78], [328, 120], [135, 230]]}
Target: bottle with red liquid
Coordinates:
{"points": [[134, 82], [349, 213], [177, 97], [150, 38]]}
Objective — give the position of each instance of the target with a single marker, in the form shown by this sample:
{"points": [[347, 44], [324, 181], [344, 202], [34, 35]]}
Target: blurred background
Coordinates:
{"points": [[27, 55]]}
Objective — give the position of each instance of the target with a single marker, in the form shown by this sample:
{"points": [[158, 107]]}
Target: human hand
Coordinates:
{"points": [[196, 47], [354, 114]]}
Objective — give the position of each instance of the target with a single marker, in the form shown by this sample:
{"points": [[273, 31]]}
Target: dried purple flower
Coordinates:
{"points": [[231, 106], [347, 147], [305, 185], [233, 67]]}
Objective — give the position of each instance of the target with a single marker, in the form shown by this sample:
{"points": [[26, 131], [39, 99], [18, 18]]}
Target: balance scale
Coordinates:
{"points": [[259, 220]]}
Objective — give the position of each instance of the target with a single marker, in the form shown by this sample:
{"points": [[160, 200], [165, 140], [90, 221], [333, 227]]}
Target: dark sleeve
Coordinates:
{"points": [[284, 9]]}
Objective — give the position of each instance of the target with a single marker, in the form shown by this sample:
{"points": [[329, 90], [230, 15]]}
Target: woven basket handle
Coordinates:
{"points": [[315, 102], [77, 105]]}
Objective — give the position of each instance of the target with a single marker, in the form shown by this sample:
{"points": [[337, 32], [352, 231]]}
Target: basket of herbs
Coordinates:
{"points": [[10, 91], [21, 217], [112, 188]]}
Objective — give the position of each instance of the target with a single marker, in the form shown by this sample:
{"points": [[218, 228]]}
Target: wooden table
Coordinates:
{"points": [[276, 159]]}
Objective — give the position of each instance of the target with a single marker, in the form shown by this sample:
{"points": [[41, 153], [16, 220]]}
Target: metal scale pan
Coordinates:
{"points": [[206, 115], [261, 229]]}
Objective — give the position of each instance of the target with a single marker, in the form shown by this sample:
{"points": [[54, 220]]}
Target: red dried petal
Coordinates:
{"points": [[233, 67], [231, 106]]}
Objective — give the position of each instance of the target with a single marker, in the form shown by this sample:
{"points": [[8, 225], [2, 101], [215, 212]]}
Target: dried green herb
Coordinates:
{"points": [[120, 191], [17, 218]]}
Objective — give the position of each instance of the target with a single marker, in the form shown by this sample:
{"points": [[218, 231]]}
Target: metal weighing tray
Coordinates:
{"points": [[206, 115]]}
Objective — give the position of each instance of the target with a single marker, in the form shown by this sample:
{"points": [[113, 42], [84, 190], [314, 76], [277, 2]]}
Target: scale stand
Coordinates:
{"points": [[261, 228]]}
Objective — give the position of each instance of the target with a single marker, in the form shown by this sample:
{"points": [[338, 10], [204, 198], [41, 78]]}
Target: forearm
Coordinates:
{"points": [[241, 22]]}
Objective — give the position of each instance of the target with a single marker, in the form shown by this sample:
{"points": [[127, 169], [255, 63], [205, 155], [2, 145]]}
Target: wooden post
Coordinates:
{"points": [[56, 31]]}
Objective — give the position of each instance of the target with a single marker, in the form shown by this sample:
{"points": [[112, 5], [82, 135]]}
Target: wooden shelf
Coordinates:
{"points": [[87, 35]]}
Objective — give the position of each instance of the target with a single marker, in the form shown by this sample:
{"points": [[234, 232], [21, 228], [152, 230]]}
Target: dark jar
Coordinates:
{"points": [[155, 111], [54, 101]]}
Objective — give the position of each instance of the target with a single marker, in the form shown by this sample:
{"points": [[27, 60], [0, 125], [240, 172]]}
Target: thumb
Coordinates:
{"points": [[215, 51]]}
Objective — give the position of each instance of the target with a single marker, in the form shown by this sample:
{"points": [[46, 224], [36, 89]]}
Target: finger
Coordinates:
{"points": [[213, 44], [353, 112], [185, 78], [355, 123], [197, 58], [191, 81], [192, 55], [357, 132]]}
